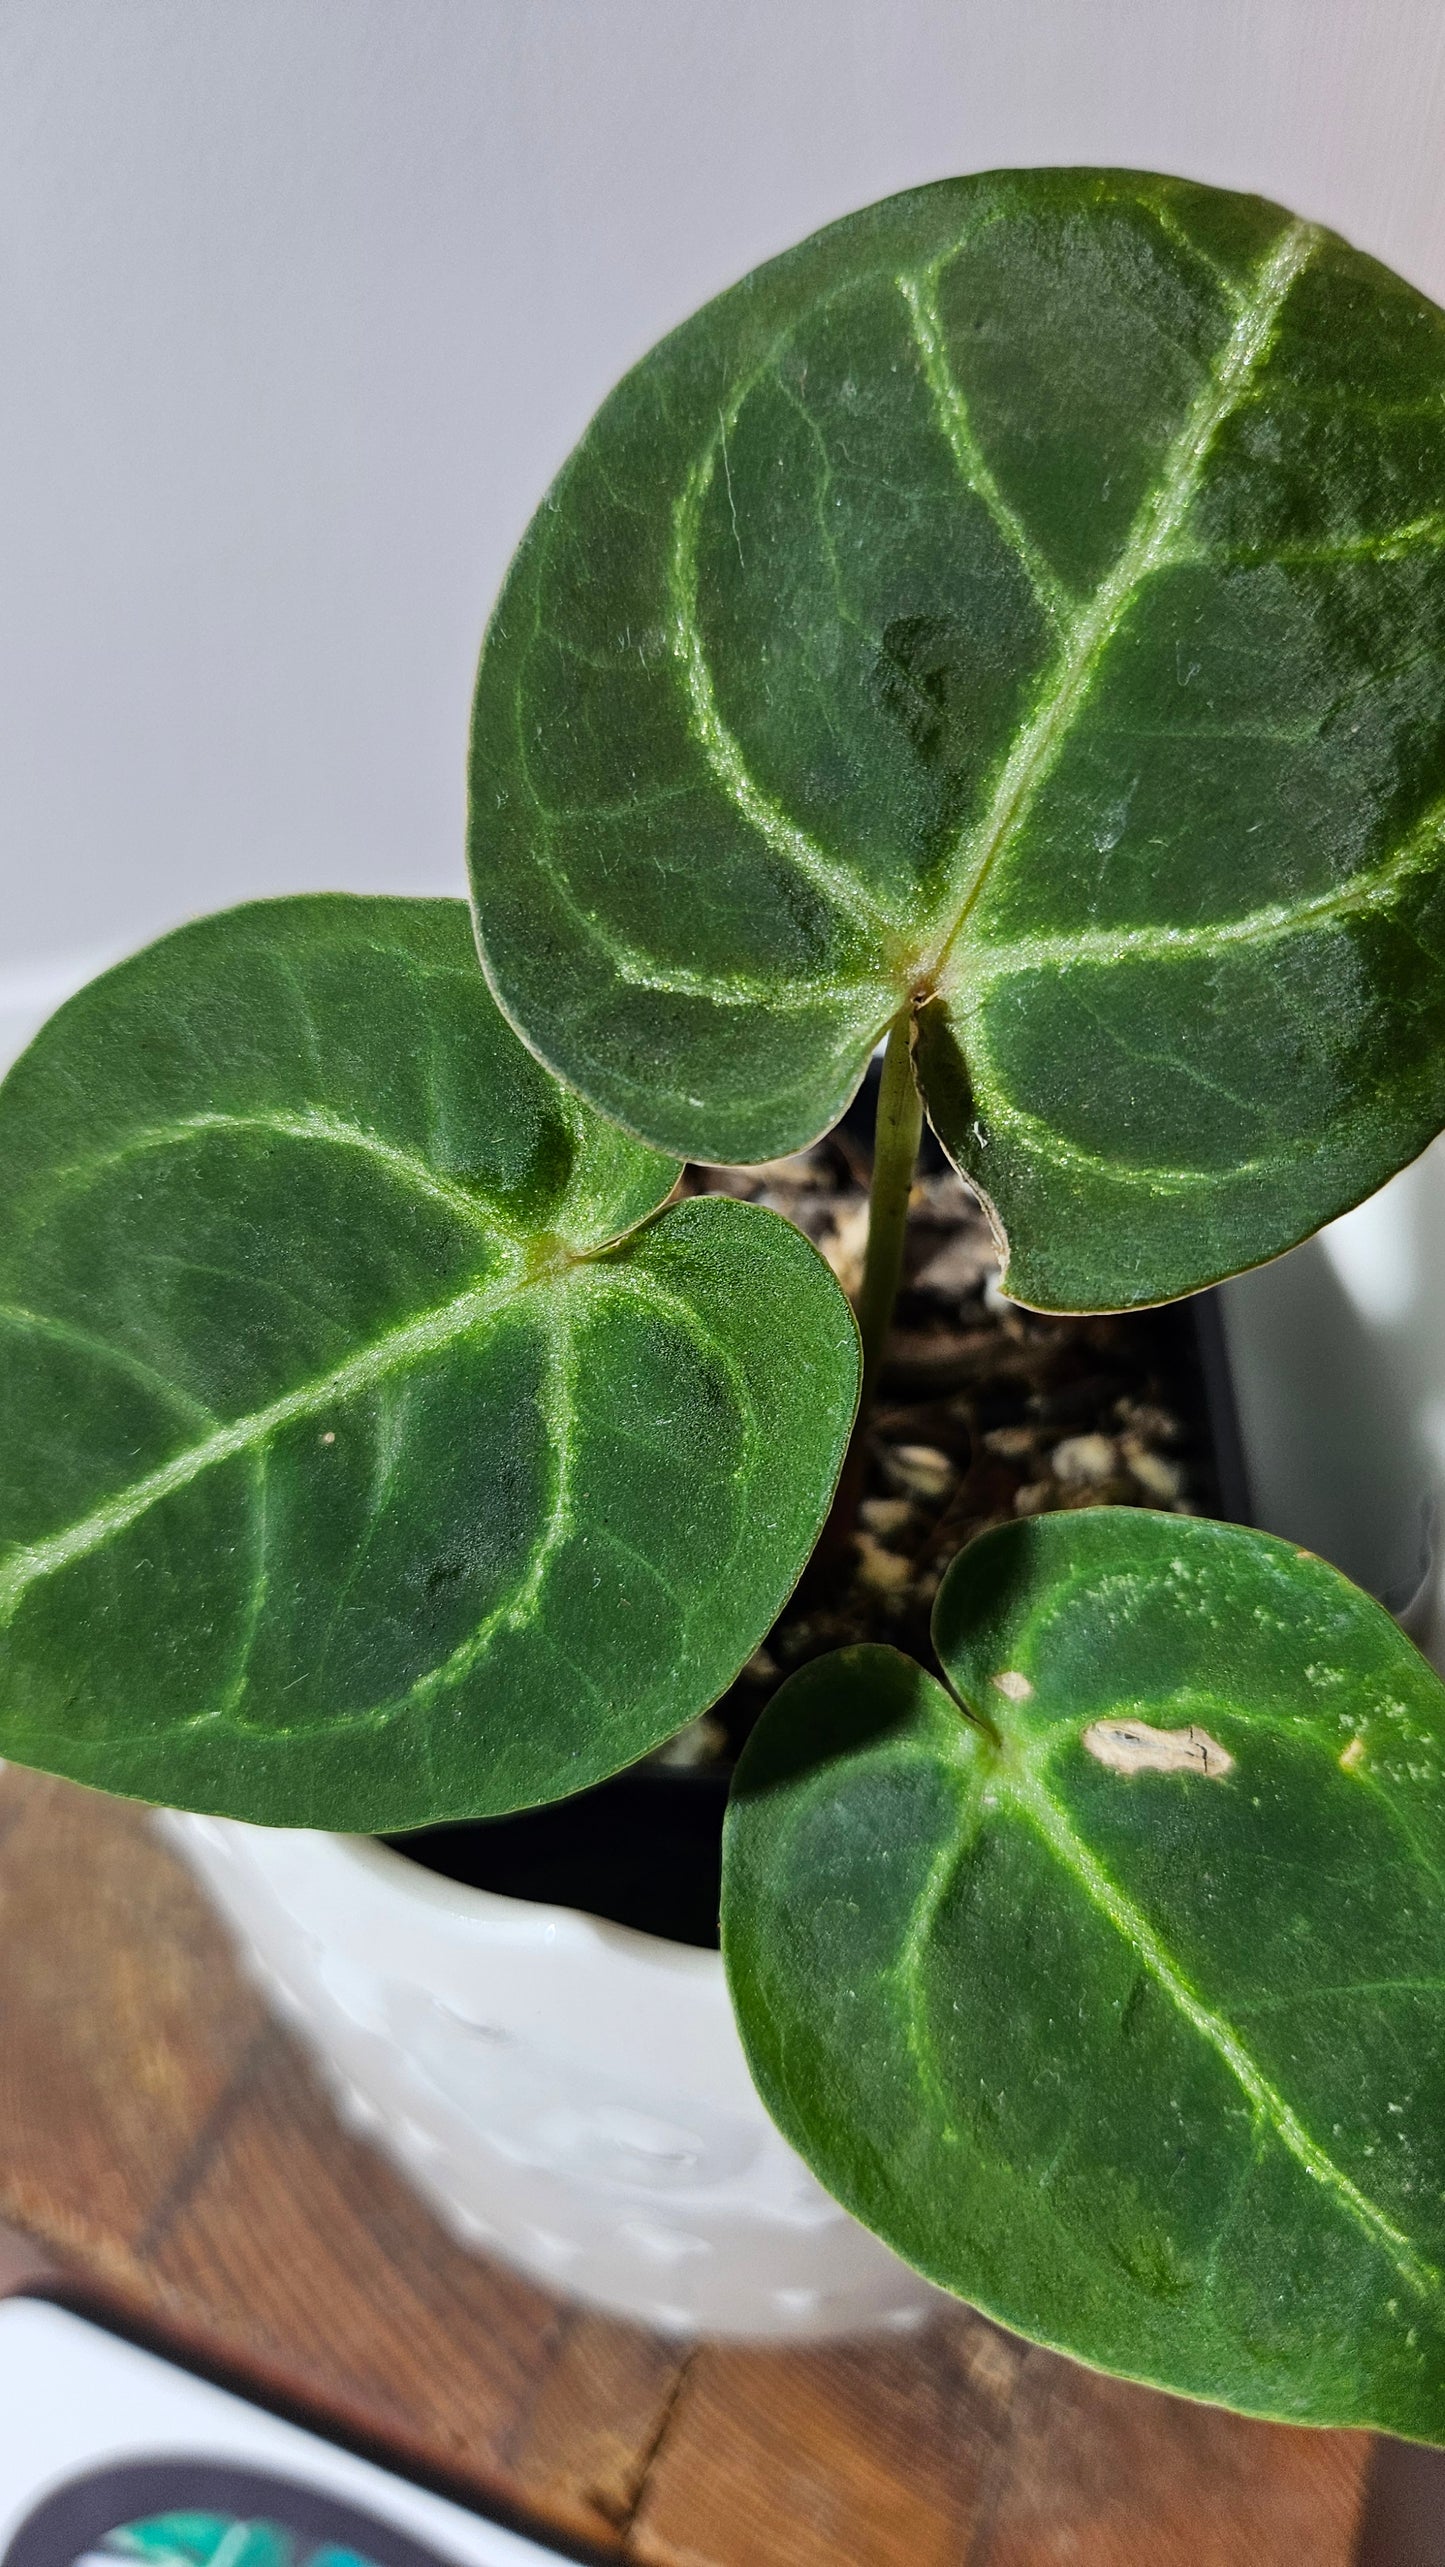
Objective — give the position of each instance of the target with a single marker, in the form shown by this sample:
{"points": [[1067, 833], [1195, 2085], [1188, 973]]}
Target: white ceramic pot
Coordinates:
{"points": [[572, 2095], [1337, 1353], [568, 2094]]}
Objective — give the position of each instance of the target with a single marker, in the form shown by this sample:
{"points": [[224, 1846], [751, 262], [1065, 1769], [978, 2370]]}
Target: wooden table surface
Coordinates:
{"points": [[169, 2144]]}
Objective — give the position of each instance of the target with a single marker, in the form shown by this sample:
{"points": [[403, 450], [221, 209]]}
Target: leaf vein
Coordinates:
{"points": [[721, 750], [516, 1611], [794, 992], [247, 1435], [921, 296], [314, 1124], [1147, 549], [1371, 889], [1270, 2108], [82, 1341], [908, 1968], [1385, 544]]}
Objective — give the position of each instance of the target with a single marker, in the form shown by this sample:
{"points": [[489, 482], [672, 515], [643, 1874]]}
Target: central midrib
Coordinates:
{"points": [[414, 1339], [1041, 740], [401, 1346], [1039, 744], [1036, 1805]]}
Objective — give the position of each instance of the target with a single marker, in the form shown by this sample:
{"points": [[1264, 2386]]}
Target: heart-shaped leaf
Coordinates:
{"points": [[1025, 600], [350, 1475], [1124, 2016]]}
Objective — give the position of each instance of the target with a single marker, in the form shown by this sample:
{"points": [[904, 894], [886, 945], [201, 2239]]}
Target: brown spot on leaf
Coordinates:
{"points": [[1132, 1747]]}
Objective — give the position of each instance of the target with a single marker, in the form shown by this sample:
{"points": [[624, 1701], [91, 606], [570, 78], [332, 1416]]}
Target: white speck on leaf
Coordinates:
{"points": [[728, 478], [1011, 1683], [1112, 824]]}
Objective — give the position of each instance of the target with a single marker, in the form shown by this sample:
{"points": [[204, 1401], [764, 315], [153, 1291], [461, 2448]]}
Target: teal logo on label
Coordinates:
{"points": [[221, 2540], [197, 2513]]}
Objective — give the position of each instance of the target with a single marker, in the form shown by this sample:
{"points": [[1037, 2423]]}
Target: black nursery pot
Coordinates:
{"points": [[642, 1849]]}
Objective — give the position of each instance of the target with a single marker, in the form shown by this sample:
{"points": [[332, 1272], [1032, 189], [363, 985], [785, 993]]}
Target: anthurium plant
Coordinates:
{"points": [[1010, 629]]}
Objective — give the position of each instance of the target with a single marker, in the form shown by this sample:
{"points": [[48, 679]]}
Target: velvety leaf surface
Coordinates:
{"points": [[1026, 598], [348, 1475], [1127, 2021]]}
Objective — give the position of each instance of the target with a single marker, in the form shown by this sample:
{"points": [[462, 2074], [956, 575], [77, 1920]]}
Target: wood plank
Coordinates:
{"points": [[24, 2264], [123, 2020], [303, 2252], [878, 2451], [1029, 2461], [1099, 2471]]}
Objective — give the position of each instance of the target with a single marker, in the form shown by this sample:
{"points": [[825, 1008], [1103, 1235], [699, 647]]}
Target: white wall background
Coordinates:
{"points": [[303, 301]]}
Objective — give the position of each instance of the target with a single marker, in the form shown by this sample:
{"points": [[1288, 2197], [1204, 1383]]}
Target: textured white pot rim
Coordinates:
{"points": [[527, 1922]]}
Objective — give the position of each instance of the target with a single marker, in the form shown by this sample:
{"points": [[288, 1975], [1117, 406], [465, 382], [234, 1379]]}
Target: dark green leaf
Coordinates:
{"points": [[1127, 2020], [1027, 598], [348, 1476]]}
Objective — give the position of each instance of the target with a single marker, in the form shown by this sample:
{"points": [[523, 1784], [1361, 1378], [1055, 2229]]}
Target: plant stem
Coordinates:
{"points": [[896, 1136]]}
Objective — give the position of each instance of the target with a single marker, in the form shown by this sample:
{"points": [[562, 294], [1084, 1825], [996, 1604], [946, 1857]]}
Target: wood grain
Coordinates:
{"points": [[123, 2020], [314, 2261], [177, 2152], [875, 2451], [1099, 2470]]}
